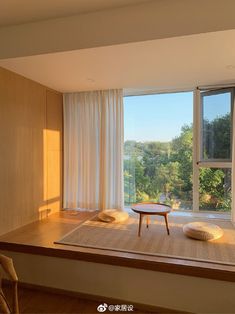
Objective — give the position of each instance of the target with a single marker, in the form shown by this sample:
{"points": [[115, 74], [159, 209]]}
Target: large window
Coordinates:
{"points": [[158, 149], [177, 149]]}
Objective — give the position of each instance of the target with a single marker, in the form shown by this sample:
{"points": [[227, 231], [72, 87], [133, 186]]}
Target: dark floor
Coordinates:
{"points": [[34, 302]]}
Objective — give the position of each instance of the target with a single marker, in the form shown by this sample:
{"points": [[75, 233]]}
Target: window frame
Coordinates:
{"points": [[225, 162], [198, 162]]}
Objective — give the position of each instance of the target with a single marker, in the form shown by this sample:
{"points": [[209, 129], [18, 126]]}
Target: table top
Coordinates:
{"points": [[151, 208]]}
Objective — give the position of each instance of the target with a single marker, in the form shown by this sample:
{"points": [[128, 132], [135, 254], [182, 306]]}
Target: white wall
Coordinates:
{"points": [[152, 20], [134, 285]]}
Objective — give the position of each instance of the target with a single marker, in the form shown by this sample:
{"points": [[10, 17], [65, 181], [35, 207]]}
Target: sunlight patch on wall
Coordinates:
{"points": [[52, 166]]}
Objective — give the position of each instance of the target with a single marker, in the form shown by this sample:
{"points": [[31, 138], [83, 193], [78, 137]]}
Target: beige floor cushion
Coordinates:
{"points": [[202, 231], [113, 215]]}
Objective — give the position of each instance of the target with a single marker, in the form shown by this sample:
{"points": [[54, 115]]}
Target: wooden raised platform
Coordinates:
{"points": [[38, 238]]}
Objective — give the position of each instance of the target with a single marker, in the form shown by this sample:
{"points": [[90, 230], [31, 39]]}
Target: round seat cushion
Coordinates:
{"points": [[113, 215], [202, 231]]}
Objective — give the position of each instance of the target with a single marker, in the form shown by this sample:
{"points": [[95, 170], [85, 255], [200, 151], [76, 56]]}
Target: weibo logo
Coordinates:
{"points": [[102, 308]]}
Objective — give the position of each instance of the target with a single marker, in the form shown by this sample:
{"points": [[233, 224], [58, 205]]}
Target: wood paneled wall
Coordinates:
{"points": [[30, 151]]}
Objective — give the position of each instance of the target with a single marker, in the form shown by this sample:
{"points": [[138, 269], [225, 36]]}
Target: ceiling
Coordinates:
{"points": [[166, 64], [23, 11]]}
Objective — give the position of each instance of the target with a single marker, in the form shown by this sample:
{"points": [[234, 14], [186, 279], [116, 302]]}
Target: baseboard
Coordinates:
{"points": [[102, 299]]}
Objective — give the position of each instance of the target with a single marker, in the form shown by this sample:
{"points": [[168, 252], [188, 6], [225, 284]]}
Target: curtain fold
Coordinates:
{"points": [[93, 150], [233, 171]]}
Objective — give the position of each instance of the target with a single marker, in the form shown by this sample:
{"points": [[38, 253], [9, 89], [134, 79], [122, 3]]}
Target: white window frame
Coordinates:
{"points": [[197, 146], [197, 162]]}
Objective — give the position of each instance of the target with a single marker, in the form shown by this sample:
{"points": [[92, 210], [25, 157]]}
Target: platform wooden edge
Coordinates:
{"points": [[168, 265]]}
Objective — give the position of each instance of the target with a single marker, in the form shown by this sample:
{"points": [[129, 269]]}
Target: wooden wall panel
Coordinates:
{"points": [[24, 175]]}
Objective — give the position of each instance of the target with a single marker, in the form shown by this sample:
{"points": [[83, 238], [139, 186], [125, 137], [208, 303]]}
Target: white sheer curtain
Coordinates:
{"points": [[93, 150], [233, 172]]}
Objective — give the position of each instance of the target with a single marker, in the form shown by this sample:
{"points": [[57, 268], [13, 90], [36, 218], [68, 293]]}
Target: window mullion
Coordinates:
{"points": [[196, 150]]}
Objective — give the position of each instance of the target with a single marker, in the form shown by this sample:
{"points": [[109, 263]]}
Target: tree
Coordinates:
{"points": [[217, 136], [182, 147], [168, 179], [214, 193], [135, 182], [155, 154], [155, 168]]}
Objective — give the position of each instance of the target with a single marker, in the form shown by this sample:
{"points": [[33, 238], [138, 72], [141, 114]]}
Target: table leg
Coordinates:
{"points": [[140, 223], [147, 221], [167, 227]]}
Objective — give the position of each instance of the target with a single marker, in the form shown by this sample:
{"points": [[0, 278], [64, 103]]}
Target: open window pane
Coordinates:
{"points": [[158, 149], [216, 125], [215, 189]]}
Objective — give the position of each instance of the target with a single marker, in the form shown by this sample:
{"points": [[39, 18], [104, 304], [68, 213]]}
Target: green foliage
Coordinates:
{"points": [[217, 136], [153, 170], [214, 192], [182, 147]]}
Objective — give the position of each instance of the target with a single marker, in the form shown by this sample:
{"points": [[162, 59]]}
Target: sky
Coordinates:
{"points": [[216, 105], [158, 117]]}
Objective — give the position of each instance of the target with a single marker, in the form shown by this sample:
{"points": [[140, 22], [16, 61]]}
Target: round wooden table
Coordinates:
{"points": [[147, 209]]}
